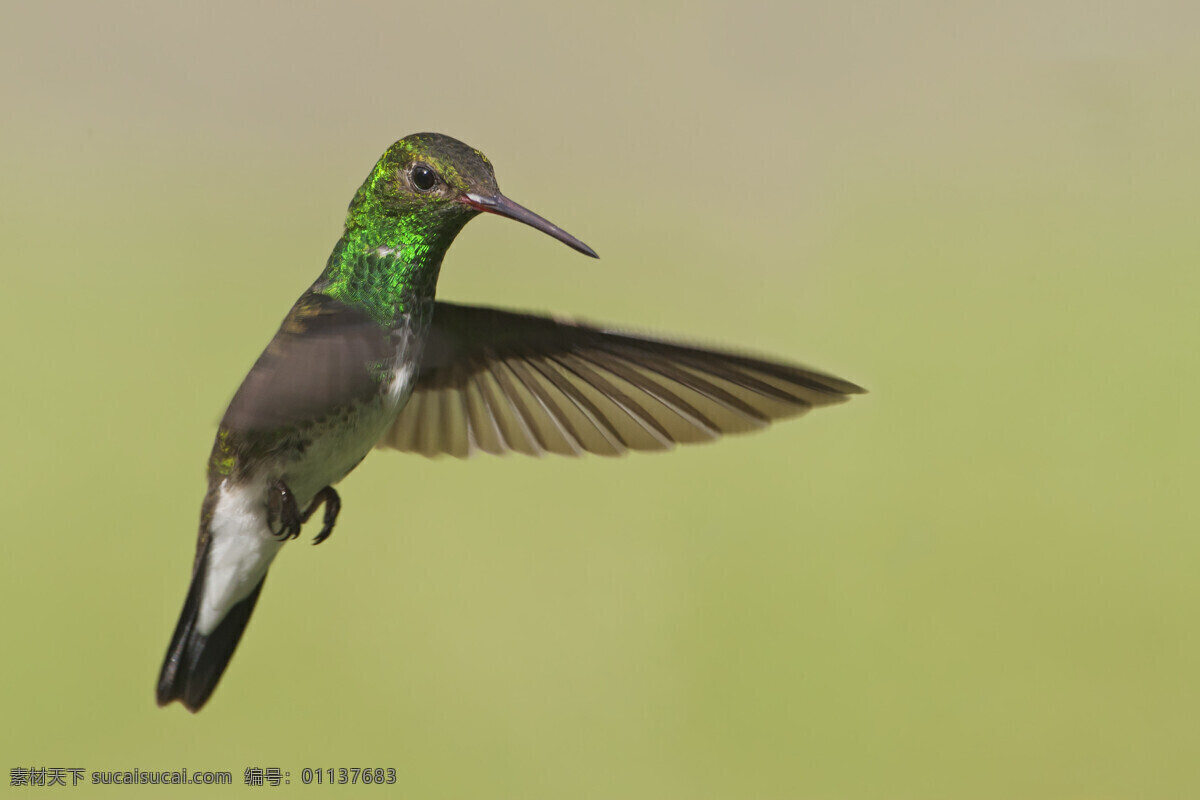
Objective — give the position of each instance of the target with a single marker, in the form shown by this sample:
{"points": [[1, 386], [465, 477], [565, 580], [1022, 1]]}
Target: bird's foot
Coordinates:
{"points": [[283, 516], [333, 504]]}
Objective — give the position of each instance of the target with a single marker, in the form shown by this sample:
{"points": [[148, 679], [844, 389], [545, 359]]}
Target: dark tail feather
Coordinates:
{"points": [[195, 662]]}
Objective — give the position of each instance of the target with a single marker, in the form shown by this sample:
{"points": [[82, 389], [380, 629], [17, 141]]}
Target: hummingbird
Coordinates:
{"points": [[367, 357]]}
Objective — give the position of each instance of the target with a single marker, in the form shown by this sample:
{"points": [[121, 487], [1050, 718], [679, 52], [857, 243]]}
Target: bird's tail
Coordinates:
{"points": [[195, 662]]}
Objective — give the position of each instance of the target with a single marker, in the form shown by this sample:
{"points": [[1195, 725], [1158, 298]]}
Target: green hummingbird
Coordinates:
{"points": [[368, 358]]}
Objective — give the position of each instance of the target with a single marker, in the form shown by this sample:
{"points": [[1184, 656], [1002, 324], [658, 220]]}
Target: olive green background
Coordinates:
{"points": [[977, 581]]}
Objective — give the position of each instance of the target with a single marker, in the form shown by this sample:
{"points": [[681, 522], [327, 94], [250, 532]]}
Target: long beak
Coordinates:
{"points": [[499, 204]]}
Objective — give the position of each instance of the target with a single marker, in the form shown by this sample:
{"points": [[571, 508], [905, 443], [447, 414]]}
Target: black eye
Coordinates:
{"points": [[423, 178]]}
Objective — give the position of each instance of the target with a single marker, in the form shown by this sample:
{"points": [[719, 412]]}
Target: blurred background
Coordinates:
{"points": [[976, 581]]}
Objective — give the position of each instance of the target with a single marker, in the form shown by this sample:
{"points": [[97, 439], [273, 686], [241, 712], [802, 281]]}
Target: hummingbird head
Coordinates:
{"points": [[437, 184]]}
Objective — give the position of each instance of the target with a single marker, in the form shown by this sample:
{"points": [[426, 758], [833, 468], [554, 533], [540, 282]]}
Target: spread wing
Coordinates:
{"points": [[497, 381], [325, 356]]}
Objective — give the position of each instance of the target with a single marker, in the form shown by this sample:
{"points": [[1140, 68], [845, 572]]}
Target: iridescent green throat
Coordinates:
{"points": [[389, 266]]}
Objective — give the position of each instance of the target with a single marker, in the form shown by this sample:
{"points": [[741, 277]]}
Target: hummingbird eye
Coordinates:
{"points": [[423, 177]]}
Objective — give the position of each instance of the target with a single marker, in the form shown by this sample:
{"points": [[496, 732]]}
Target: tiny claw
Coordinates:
{"points": [[281, 509], [333, 505]]}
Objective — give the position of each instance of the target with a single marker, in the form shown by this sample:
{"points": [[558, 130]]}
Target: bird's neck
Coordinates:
{"points": [[389, 269]]}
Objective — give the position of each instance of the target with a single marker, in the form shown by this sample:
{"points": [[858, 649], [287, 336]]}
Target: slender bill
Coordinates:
{"points": [[499, 204]]}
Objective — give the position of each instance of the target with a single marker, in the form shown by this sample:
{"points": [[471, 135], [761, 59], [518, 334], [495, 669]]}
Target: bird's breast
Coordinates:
{"points": [[337, 443], [409, 340]]}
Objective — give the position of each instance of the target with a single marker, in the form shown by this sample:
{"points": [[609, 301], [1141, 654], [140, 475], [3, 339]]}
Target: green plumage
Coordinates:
{"points": [[366, 357]]}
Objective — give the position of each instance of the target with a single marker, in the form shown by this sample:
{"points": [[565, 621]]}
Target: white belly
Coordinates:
{"points": [[338, 448], [242, 546]]}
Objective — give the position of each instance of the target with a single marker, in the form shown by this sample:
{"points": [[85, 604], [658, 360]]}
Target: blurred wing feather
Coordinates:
{"points": [[325, 356], [500, 381]]}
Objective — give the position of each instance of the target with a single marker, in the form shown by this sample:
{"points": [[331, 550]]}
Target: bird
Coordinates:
{"points": [[367, 358]]}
